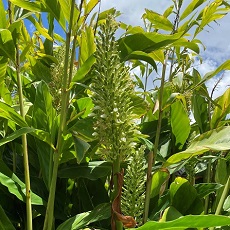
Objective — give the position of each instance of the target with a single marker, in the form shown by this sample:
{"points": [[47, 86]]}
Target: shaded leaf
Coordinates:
{"points": [[9, 113], [92, 170], [101, 212], [5, 223], [16, 186], [205, 189]]}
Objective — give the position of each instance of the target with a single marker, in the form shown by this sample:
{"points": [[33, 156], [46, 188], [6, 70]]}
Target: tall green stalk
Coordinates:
{"points": [[152, 154], [29, 217], [64, 106]]}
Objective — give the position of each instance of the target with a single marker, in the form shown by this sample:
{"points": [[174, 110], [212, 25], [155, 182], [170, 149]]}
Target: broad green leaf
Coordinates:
{"points": [[5, 223], [180, 123], [9, 113], [199, 104], [40, 28], [15, 185], [205, 189], [140, 55], [145, 42], [101, 212], [168, 11], [54, 7], [34, 6], [159, 180], [184, 197], [90, 6], [190, 221], [81, 148], [43, 111], [43, 136], [221, 111], [187, 44], [92, 170], [83, 70], [191, 7], [3, 23], [139, 106], [87, 44], [3, 68], [158, 55], [158, 21], [84, 104], [7, 47], [15, 135], [170, 213], [226, 205], [214, 140]]}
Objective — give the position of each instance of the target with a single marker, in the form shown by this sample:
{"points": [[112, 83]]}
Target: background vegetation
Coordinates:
{"points": [[84, 142]]}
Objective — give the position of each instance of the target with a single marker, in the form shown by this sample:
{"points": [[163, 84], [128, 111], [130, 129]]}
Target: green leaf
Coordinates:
{"points": [[81, 147], [140, 55], [158, 21], [34, 6], [190, 221], [221, 111], [101, 212], [145, 42], [180, 123], [92, 170], [84, 104], [16, 134], [5, 223], [83, 70], [168, 11], [3, 22], [184, 197], [9, 113], [54, 7], [7, 47], [16, 186], [205, 189], [191, 7], [214, 140], [170, 213], [90, 6], [139, 106]]}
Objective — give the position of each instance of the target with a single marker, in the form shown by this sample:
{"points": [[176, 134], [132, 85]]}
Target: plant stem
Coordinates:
{"points": [[64, 105], [208, 179], [24, 146], [116, 170], [222, 199], [151, 156]]}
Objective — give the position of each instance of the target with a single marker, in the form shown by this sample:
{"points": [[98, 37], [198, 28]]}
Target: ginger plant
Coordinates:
{"points": [[114, 125]]}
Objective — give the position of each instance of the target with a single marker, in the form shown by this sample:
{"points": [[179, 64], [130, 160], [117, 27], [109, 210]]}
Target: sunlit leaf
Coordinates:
{"points": [[180, 123], [191, 7], [101, 212], [34, 6], [190, 221], [3, 16], [9, 113], [158, 21], [214, 140], [222, 110], [7, 47]]}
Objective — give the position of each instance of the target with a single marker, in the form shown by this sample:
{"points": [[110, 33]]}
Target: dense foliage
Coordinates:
{"points": [[84, 142]]}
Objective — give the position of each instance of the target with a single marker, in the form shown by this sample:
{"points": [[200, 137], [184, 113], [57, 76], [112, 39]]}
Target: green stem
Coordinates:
{"points": [[151, 156], [222, 199], [208, 179], [24, 146], [64, 105], [116, 170]]}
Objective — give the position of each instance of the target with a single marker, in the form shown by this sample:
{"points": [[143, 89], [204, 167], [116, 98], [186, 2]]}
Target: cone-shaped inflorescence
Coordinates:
{"points": [[112, 89], [133, 196]]}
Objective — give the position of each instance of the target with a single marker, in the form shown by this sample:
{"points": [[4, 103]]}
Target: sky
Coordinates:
{"points": [[216, 38]]}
